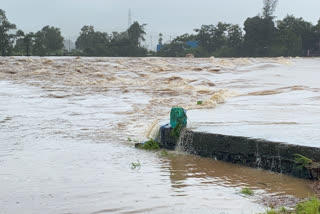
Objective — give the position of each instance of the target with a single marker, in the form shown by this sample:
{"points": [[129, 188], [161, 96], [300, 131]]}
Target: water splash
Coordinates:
{"points": [[185, 142], [218, 97], [153, 131]]}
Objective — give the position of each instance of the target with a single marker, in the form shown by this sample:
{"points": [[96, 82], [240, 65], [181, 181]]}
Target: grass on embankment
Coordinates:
{"points": [[312, 206]]}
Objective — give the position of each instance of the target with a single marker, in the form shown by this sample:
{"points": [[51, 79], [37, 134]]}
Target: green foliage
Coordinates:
{"points": [[149, 145], [164, 153], [135, 165], [93, 43], [312, 206], [175, 132], [6, 39], [281, 211], [296, 36], [199, 102], [260, 37], [47, 41], [174, 49], [24, 44], [178, 47], [269, 8], [301, 160], [260, 34], [212, 37], [136, 33], [309, 207], [247, 191], [96, 43]]}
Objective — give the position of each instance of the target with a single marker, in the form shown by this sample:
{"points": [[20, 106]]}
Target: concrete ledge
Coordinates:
{"points": [[258, 153]]}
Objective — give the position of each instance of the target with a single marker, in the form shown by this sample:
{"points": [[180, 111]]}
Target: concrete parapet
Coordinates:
{"points": [[274, 156]]}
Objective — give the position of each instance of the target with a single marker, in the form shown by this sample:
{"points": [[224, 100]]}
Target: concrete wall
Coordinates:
{"points": [[274, 156]]}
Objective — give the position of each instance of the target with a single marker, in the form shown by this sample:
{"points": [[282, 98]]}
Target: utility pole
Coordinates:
{"points": [[151, 43]]}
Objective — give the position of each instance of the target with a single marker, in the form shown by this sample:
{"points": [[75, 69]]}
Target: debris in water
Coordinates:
{"points": [[199, 102], [135, 165], [149, 145], [247, 191]]}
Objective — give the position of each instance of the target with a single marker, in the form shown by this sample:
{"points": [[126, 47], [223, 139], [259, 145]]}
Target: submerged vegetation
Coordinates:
{"points": [[261, 36], [247, 191], [135, 165], [164, 153], [175, 132], [149, 145]]}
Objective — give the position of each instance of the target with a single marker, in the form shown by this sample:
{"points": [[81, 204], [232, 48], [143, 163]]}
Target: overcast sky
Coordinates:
{"points": [[171, 17]]}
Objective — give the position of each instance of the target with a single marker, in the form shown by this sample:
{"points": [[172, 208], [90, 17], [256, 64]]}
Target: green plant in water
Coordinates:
{"points": [[175, 132], [301, 160], [164, 153], [135, 165], [150, 145], [247, 191], [283, 210], [199, 102], [130, 140]]}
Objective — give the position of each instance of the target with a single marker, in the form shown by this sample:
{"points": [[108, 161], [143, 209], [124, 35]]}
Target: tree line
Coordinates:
{"points": [[261, 36], [48, 41]]}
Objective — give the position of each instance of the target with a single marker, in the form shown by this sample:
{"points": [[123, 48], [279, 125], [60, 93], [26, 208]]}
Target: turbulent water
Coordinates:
{"points": [[65, 124]]}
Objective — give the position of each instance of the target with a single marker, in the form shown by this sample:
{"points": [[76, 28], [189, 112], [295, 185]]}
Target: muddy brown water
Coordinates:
{"points": [[64, 125]]}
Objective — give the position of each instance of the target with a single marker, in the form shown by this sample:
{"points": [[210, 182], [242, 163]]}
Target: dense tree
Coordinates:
{"points": [[178, 47], [24, 43], [136, 34], [235, 36], [28, 42], [96, 43], [260, 34], [39, 44], [6, 39], [19, 46], [93, 43], [296, 36], [233, 42], [260, 31], [260, 38], [317, 30], [48, 41], [212, 37], [129, 43]]}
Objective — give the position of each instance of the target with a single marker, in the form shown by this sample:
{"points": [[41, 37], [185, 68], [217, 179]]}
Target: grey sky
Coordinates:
{"points": [[171, 17]]}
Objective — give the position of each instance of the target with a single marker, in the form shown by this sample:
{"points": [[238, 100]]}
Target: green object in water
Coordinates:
{"points": [[178, 116]]}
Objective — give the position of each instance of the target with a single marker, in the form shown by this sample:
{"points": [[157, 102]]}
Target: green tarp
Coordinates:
{"points": [[178, 116]]}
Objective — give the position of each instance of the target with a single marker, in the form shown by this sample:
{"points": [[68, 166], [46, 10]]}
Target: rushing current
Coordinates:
{"points": [[68, 125]]}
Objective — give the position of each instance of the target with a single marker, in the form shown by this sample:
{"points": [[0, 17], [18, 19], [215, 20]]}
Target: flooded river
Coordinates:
{"points": [[65, 124]]}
